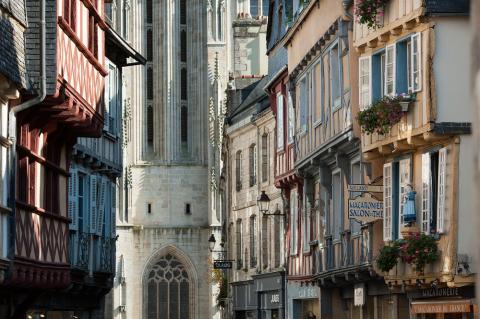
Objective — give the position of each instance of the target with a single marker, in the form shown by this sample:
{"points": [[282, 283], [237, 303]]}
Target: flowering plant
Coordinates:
{"points": [[381, 115], [419, 249], [387, 258], [367, 12]]}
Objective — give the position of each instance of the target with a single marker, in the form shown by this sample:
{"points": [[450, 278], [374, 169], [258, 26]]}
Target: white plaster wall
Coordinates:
{"points": [[451, 67]]}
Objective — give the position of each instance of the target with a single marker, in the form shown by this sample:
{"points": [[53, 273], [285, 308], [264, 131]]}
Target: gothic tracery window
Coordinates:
{"points": [[168, 290]]}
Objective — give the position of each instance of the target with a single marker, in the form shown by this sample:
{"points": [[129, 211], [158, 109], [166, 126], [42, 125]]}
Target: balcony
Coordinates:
{"points": [[350, 255]]}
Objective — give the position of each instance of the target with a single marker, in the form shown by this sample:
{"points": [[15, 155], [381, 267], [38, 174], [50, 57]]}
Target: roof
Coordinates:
{"points": [[254, 102], [118, 50]]}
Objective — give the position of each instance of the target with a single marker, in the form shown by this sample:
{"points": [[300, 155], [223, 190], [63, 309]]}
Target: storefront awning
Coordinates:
{"points": [[442, 306]]}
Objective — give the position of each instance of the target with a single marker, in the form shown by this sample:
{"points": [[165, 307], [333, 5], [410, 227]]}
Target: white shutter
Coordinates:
{"points": [[404, 181], [442, 174], [426, 193], [113, 208], [365, 81], [73, 199], [102, 190], [93, 204], [390, 65], [280, 131], [416, 62], [387, 203]]}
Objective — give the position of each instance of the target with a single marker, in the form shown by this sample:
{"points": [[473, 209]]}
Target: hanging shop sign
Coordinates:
{"points": [[359, 294], [365, 209], [222, 264], [365, 188]]}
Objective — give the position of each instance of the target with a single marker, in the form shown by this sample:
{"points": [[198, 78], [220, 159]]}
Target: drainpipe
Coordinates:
{"points": [[12, 127]]}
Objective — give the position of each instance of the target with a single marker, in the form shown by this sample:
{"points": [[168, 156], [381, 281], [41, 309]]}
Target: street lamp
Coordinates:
{"points": [[211, 242], [263, 203]]}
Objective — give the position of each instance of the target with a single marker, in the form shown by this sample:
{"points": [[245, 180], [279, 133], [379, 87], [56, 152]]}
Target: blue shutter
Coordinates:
{"points": [[402, 68]]}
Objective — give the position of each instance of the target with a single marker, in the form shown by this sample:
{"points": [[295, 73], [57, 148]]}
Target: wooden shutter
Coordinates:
{"points": [[387, 202], [426, 193], [390, 65], [416, 62], [102, 193], [280, 121], [73, 199], [442, 175], [365, 81], [113, 209], [93, 204]]}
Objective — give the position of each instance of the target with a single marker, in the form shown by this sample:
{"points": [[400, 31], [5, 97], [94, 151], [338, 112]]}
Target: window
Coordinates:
{"points": [[433, 191], [378, 75], [280, 121], [239, 243], [126, 19], [253, 241], [387, 202], [265, 8], [92, 36], [168, 289], [254, 8], [82, 203], [238, 170], [365, 82], [149, 125], [183, 87], [316, 89], [183, 11], [335, 77], [150, 83], [291, 119], [70, 13], [396, 181], [306, 218], [293, 222], [415, 83], [265, 242], [149, 45], [149, 208], [390, 52], [303, 102], [183, 46], [252, 164], [149, 13], [336, 219], [277, 240], [279, 21], [110, 99], [265, 167], [184, 124], [220, 21]]}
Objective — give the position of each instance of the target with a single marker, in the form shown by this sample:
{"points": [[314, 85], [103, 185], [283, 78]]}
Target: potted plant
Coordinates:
{"points": [[405, 100], [368, 12], [419, 250], [388, 257], [381, 115]]}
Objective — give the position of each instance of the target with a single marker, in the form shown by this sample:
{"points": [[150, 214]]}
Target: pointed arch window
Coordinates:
{"points": [[183, 11], [168, 290], [220, 22], [149, 12], [150, 125], [150, 83], [149, 45], [183, 46], [184, 124], [183, 87]]}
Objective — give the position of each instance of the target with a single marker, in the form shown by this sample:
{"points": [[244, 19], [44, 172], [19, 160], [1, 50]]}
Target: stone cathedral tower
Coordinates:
{"points": [[171, 200]]}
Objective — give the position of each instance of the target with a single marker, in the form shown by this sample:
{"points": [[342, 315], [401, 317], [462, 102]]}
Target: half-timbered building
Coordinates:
{"points": [[330, 254], [65, 63], [424, 157]]}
